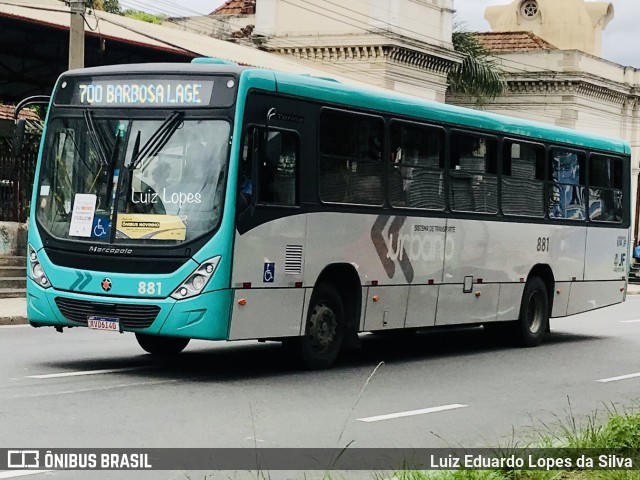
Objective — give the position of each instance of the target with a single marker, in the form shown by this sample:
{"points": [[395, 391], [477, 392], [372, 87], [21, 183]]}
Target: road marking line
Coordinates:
{"points": [[86, 390], [88, 372], [410, 413], [621, 377], [2, 327], [629, 321], [22, 473]]}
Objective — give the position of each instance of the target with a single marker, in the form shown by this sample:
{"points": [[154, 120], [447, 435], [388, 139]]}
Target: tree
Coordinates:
{"points": [[95, 4], [144, 16], [478, 75], [112, 6]]}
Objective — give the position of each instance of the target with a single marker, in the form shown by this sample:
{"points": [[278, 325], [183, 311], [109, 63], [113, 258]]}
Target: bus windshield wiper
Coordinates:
{"points": [[120, 133], [95, 139], [157, 141]]}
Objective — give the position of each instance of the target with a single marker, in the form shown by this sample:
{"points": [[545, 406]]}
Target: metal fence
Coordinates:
{"points": [[16, 183]]}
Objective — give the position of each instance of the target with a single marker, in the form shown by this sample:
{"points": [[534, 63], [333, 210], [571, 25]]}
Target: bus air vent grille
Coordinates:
{"points": [[130, 316], [293, 260]]}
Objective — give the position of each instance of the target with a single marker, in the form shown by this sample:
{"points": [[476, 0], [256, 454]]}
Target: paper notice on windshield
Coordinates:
{"points": [[84, 207], [151, 227]]}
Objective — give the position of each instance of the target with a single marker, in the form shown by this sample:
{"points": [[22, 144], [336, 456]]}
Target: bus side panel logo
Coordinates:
{"points": [[381, 246], [393, 249]]}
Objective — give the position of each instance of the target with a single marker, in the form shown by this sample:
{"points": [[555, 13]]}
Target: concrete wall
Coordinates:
{"points": [[218, 27], [13, 238]]}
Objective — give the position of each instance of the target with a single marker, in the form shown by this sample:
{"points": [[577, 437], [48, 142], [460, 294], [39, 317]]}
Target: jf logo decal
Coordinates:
{"points": [[383, 246]]}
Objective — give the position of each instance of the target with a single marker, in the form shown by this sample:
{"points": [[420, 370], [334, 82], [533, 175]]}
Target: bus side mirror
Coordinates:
{"points": [[18, 136]]}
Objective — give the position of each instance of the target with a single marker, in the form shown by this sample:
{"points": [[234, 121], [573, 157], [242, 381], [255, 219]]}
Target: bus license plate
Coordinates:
{"points": [[104, 323]]}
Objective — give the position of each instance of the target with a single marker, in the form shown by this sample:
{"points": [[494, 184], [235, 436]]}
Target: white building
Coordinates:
{"points": [[402, 45]]}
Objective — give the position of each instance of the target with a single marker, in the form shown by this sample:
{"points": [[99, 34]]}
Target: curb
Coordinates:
{"points": [[13, 321]]}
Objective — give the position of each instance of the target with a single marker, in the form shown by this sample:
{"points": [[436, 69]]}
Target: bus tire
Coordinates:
{"points": [[324, 329], [533, 322], [161, 346]]}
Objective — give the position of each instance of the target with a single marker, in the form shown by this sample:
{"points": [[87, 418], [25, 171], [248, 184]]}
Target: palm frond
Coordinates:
{"points": [[478, 75]]}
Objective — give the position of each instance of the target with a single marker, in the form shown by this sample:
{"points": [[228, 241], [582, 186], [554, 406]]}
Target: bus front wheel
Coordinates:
{"points": [[532, 324], [324, 329], [157, 345]]}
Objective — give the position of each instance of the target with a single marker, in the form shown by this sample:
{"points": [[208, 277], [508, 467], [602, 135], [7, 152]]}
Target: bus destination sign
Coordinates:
{"points": [[165, 92], [147, 92]]}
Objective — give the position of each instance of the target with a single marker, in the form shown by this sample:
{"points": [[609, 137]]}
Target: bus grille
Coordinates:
{"points": [[130, 316]]}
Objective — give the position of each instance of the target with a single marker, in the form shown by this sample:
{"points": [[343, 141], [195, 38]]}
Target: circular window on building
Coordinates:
{"points": [[529, 8]]}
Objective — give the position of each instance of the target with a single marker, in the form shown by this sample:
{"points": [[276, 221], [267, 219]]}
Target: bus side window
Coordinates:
{"points": [[245, 170], [416, 178], [523, 179], [605, 189], [350, 163], [277, 169], [473, 179], [567, 185]]}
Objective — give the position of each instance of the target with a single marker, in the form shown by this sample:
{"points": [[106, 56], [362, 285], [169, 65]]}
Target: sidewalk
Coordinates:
{"points": [[633, 289], [13, 311]]}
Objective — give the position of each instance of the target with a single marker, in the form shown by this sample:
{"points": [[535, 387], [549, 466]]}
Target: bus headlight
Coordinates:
{"points": [[36, 270], [196, 282]]}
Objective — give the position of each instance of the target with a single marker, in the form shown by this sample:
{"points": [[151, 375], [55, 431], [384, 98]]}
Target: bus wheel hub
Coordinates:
{"points": [[322, 326]]}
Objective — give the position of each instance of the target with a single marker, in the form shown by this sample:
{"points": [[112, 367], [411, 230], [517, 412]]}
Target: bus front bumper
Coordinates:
{"points": [[205, 316]]}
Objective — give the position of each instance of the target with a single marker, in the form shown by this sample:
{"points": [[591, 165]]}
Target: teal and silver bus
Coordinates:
{"points": [[218, 202]]}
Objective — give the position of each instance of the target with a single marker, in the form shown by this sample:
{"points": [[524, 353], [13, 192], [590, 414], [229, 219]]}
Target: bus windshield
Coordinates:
{"points": [[141, 181]]}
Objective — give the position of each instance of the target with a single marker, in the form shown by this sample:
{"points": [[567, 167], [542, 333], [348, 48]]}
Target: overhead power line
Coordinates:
{"points": [[340, 14], [166, 7]]}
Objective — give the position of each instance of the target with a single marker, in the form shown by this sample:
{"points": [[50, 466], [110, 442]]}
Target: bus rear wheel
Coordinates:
{"points": [[161, 346], [533, 323], [320, 345]]}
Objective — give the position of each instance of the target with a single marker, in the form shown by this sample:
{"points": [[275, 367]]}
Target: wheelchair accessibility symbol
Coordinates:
{"points": [[269, 272], [100, 227]]}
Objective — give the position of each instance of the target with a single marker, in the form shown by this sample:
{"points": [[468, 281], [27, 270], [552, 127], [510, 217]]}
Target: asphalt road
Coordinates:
{"points": [[437, 389]]}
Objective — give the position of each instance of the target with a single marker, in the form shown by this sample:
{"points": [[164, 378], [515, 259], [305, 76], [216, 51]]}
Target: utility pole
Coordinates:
{"points": [[76, 34]]}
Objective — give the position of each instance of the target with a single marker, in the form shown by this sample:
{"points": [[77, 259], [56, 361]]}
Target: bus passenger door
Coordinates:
{"points": [[270, 237]]}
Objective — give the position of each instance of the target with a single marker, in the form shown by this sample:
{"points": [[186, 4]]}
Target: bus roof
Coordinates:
{"points": [[161, 68], [392, 102], [380, 100]]}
